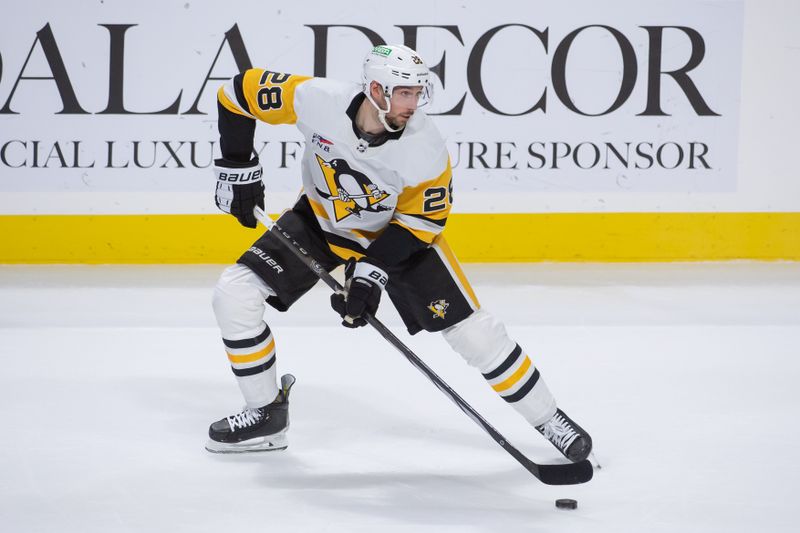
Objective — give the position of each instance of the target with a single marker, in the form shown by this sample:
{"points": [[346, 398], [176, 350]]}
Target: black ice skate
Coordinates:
{"points": [[567, 436], [254, 430]]}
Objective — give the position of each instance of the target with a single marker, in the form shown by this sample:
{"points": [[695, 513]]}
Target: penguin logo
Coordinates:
{"points": [[439, 308], [351, 191]]}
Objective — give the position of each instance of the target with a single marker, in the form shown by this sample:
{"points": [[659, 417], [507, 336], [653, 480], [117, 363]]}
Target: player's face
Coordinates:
{"points": [[404, 103]]}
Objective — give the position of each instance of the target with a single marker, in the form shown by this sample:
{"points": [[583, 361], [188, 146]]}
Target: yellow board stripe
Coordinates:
{"points": [[625, 237], [451, 258], [250, 357], [158, 239], [513, 378]]}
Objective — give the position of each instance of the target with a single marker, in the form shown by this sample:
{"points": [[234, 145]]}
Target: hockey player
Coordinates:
{"points": [[377, 190]]}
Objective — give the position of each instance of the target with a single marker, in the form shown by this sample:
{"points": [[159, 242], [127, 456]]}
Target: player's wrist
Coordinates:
{"points": [[233, 163], [371, 270], [238, 172]]}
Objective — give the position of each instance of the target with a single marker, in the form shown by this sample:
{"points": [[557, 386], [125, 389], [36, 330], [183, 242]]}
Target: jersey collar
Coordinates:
{"points": [[374, 139]]}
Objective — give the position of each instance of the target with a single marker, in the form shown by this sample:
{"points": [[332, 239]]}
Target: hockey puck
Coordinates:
{"points": [[567, 504]]}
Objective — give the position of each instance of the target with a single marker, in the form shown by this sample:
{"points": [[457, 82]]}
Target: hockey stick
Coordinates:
{"points": [[563, 474]]}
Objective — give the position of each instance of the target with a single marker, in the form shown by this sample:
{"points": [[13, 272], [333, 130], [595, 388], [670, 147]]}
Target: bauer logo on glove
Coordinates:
{"points": [[241, 177], [239, 189]]}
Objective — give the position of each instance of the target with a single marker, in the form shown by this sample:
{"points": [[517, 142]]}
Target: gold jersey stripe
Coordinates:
{"points": [[434, 216], [345, 253], [515, 377], [412, 199], [454, 264], [420, 223], [369, 235], [318, 209], [249, 358], [424, 236], [270, 95], [233, 107]]}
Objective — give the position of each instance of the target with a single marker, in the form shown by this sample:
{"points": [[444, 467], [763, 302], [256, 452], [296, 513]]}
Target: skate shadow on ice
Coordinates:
{"points": [[480, 500]]}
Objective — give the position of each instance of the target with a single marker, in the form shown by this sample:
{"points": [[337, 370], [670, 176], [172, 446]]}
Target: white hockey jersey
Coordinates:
{"points": [[355, 190]]}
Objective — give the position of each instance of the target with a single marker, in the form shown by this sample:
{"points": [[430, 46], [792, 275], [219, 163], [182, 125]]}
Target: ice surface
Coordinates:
{"points": [[685, 374]]}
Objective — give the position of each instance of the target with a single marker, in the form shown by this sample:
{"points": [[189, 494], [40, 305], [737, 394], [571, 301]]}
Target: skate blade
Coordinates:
{"points": [[272, 443], [593, 459]]}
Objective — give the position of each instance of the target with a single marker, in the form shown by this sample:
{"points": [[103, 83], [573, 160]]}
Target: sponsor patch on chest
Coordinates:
{"points": [[321, 142]]}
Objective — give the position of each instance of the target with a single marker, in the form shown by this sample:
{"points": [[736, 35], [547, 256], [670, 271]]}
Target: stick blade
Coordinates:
{"points": [[568, 474]]}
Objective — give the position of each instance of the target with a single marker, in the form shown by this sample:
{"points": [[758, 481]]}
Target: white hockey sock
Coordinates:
{"points": [[239, 303], [519, 383], [253, 363], [483, 342]]}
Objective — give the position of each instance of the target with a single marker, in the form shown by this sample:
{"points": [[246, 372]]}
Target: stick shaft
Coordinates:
{"points": [[550, 474]]}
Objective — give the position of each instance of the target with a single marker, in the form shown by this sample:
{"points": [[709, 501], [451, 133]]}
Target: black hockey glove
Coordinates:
{"points": [[239, 189], [365, 279]]}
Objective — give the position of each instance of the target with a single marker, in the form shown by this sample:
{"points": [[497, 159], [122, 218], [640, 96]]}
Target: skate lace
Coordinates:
{"points": [[246, 418], [558, 431]]}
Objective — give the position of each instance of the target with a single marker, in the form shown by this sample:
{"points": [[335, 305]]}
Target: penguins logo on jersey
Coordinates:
{"points": [[439, 308], [351, 191]]}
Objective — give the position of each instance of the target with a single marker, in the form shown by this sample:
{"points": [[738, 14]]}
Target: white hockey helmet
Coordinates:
{"points": [[393, 66]]}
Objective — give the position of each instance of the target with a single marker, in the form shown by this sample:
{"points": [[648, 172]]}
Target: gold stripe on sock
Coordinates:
{"points": [[513, 378], [250, 357]]}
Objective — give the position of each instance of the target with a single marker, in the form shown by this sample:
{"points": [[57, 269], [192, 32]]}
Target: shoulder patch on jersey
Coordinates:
{"points": [[321, 142]]}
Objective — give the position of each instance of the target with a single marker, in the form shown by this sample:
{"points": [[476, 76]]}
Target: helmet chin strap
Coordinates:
{"points": [[382, 112]]}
